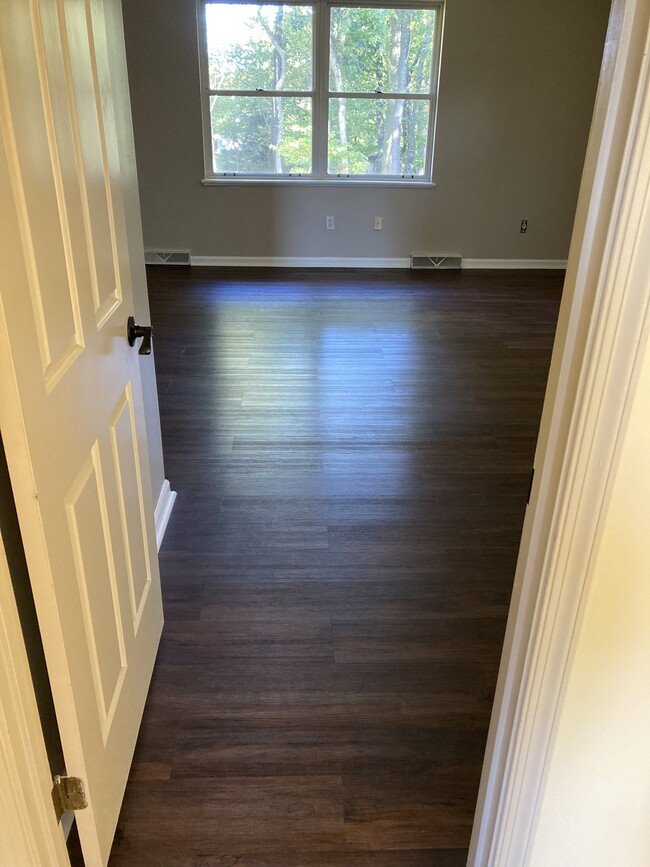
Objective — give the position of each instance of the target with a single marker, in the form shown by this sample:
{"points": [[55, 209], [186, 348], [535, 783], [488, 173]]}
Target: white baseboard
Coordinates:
{"points": [[163, 510], [515, 264], [350, 262], [298, 262]]}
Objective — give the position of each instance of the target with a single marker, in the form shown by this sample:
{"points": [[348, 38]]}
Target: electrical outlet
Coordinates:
{"points": [[329, 222], [524, 227], [378, 224]]}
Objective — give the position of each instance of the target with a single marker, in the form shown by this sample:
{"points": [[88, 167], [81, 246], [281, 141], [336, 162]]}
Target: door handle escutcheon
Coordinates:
{"points": [[133, 332]]}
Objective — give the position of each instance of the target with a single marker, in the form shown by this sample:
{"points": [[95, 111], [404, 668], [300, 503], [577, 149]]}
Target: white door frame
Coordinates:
{"points": [[603, 323], [28, 828]]}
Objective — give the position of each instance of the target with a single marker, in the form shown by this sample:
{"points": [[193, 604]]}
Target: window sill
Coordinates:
{"points": [[316, 182]]}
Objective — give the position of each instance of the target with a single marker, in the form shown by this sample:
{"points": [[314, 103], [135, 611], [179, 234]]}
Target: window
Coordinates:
{"points": [[320, 91]]}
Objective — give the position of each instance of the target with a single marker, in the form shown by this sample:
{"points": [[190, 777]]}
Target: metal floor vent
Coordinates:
{"points": [[433, 261], [167, 257]]}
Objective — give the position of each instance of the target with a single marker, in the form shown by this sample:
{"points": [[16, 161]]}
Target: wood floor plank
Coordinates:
{"points": [[351, 452], [342, 858], [236, 814]]}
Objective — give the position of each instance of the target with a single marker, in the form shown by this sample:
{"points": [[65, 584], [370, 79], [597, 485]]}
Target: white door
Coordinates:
{"points": [[71, 404]]}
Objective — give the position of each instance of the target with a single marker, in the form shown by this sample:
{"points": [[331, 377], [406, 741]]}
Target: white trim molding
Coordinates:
{"points": [[603, 327], [163, 511], [515, 264], [297, 262], [367, 262]]}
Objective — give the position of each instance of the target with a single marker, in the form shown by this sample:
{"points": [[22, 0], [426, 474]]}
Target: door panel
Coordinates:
{"points": [[31, 141], [92, 551], [71, 407], [133, 513], [89, 125]]}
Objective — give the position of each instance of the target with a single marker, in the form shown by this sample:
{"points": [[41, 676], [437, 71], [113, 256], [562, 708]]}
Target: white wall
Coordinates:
{"points": [[517, 88]]}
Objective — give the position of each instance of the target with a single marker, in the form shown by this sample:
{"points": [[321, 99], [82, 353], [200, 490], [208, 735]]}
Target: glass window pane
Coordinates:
{"points": [[377, 136], [261, 134], [252, 46], [381, 49]]}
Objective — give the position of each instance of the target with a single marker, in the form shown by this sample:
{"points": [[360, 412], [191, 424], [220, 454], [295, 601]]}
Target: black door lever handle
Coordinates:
{"points": [[133, 332]]}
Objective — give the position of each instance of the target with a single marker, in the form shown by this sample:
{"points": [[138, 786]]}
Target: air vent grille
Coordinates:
{"points": [[436, 260], [167, 257]]}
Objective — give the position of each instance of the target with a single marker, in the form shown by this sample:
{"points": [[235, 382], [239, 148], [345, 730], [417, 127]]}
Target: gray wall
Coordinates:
{"points": [[114, 28], [517, 90]]}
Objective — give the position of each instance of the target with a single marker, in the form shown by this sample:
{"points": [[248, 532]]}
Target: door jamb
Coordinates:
{"points": [[28, 828]]}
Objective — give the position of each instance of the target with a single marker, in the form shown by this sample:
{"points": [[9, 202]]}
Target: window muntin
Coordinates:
{"points": [[320, 91]]}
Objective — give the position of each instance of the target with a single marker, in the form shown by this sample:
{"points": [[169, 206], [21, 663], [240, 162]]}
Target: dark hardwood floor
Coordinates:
{"points": [[351, 452]]}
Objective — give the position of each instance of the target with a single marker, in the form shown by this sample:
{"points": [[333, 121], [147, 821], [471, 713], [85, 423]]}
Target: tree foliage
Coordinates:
{"points": [[257, 48]]}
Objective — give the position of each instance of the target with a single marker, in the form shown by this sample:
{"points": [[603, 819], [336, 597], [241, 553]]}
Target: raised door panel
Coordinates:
{"points": [[94, 147], [41, 169]]}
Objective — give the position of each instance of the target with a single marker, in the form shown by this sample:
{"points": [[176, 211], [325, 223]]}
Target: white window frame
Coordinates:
{"points": [[320, 96]]}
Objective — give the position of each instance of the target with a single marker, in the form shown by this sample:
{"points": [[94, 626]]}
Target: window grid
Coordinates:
{"points": [[321, 95]]}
